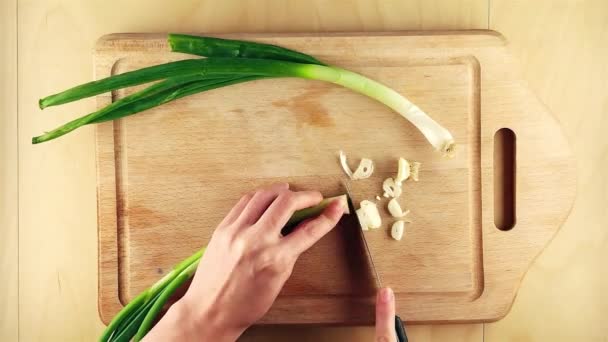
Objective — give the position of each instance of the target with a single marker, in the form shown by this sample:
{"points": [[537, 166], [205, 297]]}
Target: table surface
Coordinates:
{"points": [[48, 235]]}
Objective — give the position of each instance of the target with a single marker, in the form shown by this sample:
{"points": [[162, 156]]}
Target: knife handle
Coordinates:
{"points": [[400, 329]]}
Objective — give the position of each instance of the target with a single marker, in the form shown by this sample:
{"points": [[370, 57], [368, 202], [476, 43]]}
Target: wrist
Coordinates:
{"points": [[204, 324]]}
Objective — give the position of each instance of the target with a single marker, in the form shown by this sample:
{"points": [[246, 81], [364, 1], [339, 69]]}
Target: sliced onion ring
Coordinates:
{"points": [[344, 164], [391, 189], [368, 215], [397, 230], [403, 171], [364, 170], [395, 209]]}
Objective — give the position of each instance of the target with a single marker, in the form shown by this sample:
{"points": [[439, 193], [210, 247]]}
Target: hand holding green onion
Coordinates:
{"points": [[247, 261]]}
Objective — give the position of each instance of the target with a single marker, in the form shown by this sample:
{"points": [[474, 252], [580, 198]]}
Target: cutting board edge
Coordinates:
{"points": [[108, 41]]}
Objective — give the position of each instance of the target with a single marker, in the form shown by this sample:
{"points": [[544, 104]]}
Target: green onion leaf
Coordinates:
{"points": [[153, 96], [206, 68], [173, 94], [138, 308], [127, 79], [123, 315], [159, 303], [129, 327], [217, 47]]}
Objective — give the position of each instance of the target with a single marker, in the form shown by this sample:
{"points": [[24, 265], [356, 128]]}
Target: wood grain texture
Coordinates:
{"points": [[549, 40], [79, 24], [9, 286], [454, 265], [563, 297]]}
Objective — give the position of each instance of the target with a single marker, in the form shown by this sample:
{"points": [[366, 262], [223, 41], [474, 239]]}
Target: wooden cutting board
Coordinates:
{"points": [[167, 176]]}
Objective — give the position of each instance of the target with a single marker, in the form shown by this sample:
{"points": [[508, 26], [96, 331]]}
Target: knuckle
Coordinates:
{"points": [[287, 197], [281, 266], [312, 229], [324, 220], [277, 186], [221, 236], [272, 222], [270, 261], [245, 198], [261, 192], [239, 244], [235, 244]]}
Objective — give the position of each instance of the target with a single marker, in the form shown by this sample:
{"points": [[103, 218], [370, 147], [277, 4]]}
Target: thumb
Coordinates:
{"points": [[385, 316]]}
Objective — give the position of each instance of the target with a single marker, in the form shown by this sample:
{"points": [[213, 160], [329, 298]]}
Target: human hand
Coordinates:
{"points": [[245, 265], [385, 316]]}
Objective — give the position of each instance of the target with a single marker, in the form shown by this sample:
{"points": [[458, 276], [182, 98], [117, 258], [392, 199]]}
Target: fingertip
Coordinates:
{"points": [[310, 197], [280, 186], [318, 197], [385, 315], [335, 210], [385, 303], [385, 295]]}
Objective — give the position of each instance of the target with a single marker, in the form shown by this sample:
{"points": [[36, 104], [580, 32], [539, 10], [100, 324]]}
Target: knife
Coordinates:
{"points": [[399, 326]]}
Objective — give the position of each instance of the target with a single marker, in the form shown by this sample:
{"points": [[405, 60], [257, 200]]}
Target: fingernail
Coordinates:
{"points": [[386, 295]]}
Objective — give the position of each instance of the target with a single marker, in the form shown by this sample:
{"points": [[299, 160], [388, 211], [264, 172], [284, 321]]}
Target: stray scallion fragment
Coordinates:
{"points": [[397, 230], [368, 215], [395, 209]]}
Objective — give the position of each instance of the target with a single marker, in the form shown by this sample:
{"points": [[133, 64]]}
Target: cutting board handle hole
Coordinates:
{"points": [[504, 179]]}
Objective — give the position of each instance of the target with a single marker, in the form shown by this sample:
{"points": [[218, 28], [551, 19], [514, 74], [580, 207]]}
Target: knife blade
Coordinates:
{"points": [[399, 325], [370, 259]]}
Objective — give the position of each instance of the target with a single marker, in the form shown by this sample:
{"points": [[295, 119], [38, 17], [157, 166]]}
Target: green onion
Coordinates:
{"points": [[217, 47], [141, 305], [166, 293], [118, 322], [304, 214], [129, 327], [438, 136]]}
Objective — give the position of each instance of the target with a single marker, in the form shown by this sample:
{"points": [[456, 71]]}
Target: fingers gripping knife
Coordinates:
{"points": [[399, 326]]}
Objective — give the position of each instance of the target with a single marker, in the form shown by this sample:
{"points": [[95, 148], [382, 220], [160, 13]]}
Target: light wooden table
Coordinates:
{"points": [[48, 245]]}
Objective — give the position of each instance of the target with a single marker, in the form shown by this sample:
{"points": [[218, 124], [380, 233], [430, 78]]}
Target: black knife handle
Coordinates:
{"points": [[400, 329]]}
